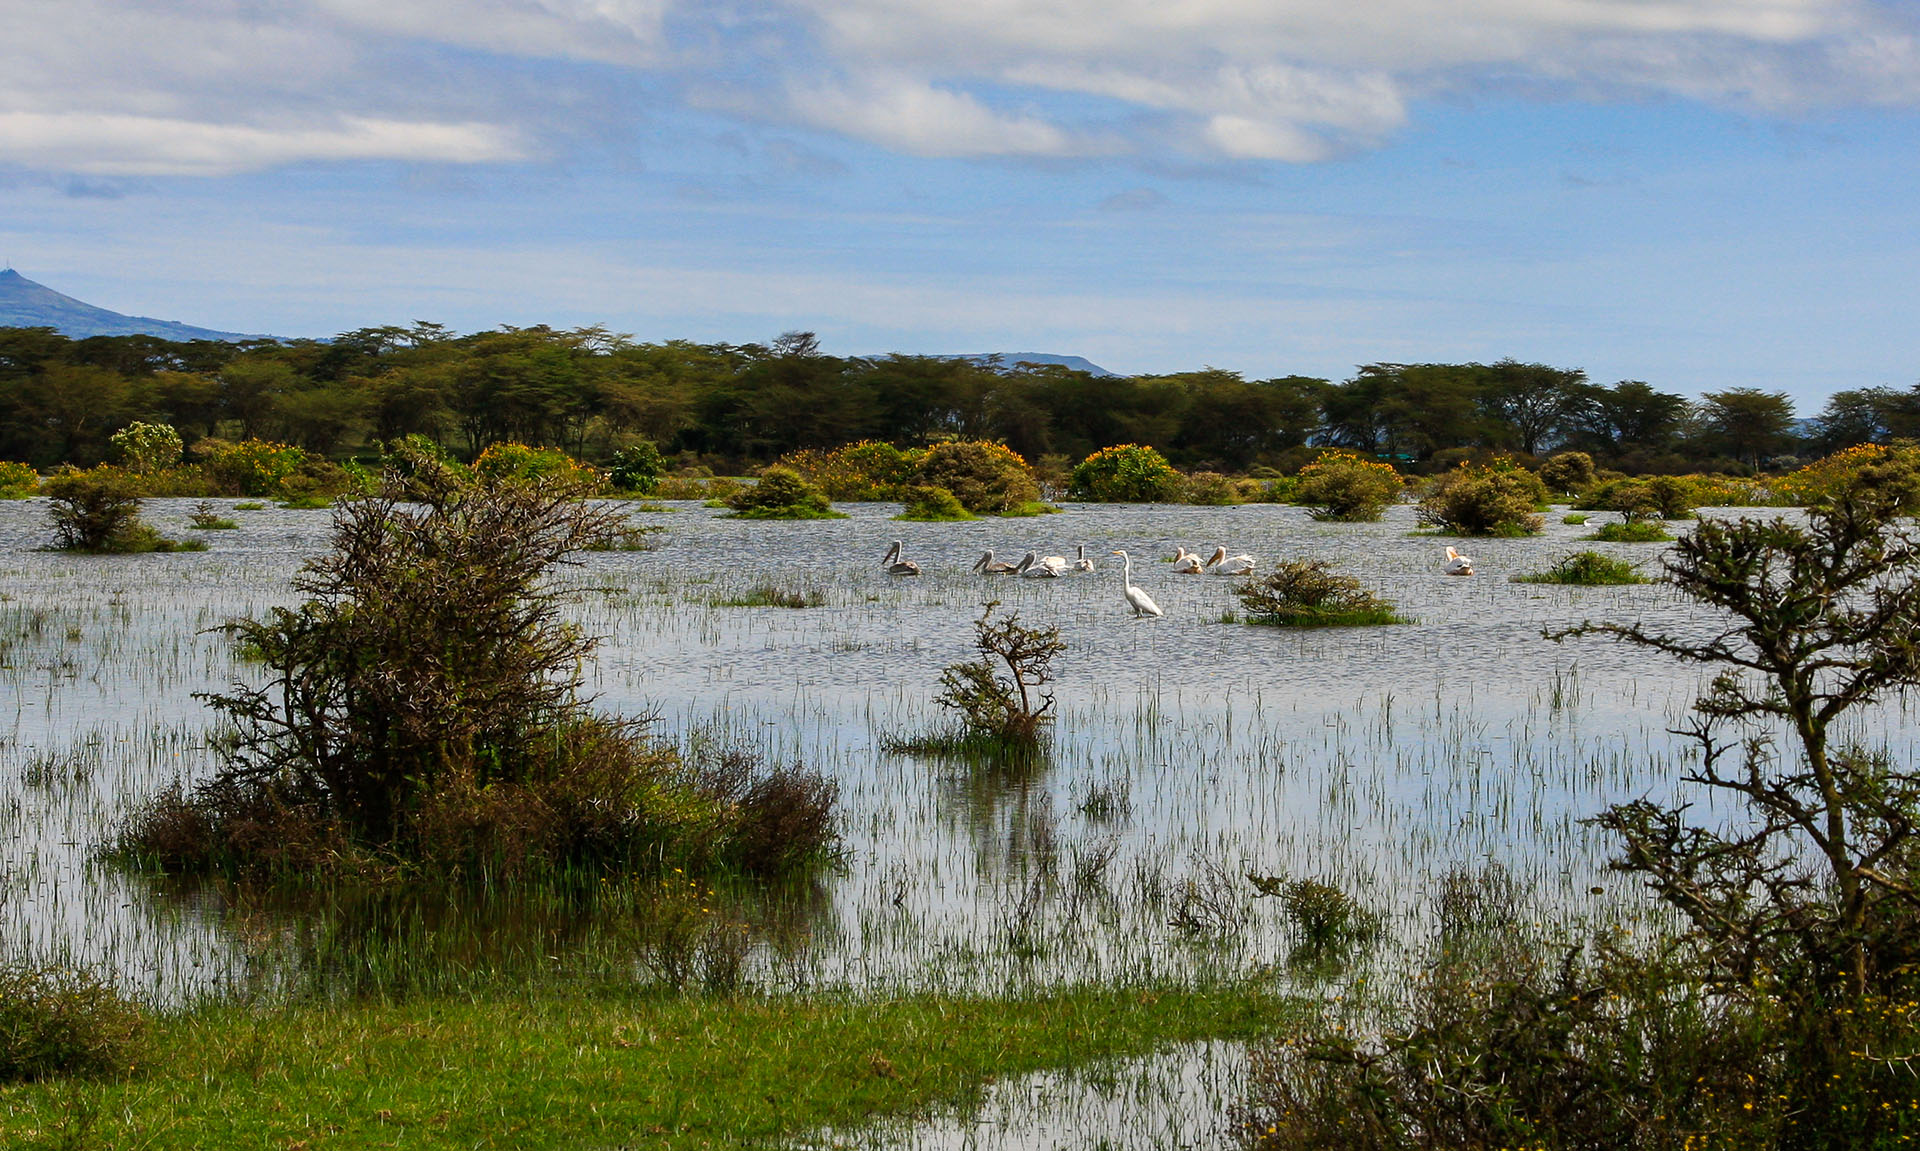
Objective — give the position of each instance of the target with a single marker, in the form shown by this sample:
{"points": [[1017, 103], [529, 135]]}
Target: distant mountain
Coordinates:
{"points": [[25, 304], [1009, 359]]}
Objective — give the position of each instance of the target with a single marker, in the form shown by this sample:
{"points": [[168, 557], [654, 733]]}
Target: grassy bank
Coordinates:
{"points": [[581, 1072]]}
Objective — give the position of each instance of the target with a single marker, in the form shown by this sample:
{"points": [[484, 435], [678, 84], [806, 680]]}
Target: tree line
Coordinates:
{"points": [[592, 392]]}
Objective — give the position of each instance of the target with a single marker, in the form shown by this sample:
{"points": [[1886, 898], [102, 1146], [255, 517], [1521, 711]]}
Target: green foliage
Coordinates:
{"points": [[1631, 532], [1657, 497], [1001, 695], [420, 709], [1211, 489], [1891, 467], [1574, 519], [515, 461], [933, 505], [1589, 569], [146, 448], [261, 468], [205, 518], [868, 470], [1125, 473], [987, 478], [1485, 501], [1342, 486], [59, 1021], [773, 595], [17, 481], [1309, 593], [1325, 918], [98, 511], [1568, 472], [637, 468], [780, 494]]}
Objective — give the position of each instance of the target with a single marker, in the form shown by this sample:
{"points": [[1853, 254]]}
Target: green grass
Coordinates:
{"points": [[306, 503], [767, 595], [1031, 508], [1589, 569], [592, 1072], [1326, 617], [249, 506], [1641, 532], [1574, 518], [784, 513]]}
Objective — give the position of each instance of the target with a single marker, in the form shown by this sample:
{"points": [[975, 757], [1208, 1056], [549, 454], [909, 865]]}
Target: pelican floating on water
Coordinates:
{"points": [[1083, 564], [1047, 568], [1186, 562], [1139, 601], [1458, 564], [990, 566], [899, 565], [1226, 565]]}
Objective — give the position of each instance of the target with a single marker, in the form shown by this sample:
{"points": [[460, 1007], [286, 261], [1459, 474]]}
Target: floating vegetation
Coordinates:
{"points": [[1590, 569], [1632, 532]]}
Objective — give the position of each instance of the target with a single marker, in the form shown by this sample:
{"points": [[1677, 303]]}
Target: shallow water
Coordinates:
{"points": [[1375, 758]]}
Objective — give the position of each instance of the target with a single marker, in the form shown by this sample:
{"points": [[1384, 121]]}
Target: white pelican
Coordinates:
{"points": [[1458, 564], [1139, 601], [1185, 562], [896, 564], [1223, 564], [990, 566], [1048, 568], [1083, 564]]}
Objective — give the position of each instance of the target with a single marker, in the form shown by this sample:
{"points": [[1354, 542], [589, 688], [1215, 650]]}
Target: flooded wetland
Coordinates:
{"points": [[1192, 756]]}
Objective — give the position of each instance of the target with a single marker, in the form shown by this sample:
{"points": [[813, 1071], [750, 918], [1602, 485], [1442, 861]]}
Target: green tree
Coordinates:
{"points": [[1749, 424]]}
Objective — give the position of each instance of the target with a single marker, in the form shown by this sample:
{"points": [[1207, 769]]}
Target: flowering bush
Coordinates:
{"points": [[1343, 486], [1126, 473]]}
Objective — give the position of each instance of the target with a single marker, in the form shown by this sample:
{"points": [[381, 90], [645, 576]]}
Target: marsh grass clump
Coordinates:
{"points": [[628, 538], [1586, 569], [60, 1021], [1632, 532], [208, 519], [98, 512], [420, 714], [1309, 593], [1326, 918], [768, 594], [781, 494]]}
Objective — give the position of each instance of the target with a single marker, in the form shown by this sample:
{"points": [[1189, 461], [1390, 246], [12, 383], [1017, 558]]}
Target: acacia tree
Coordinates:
{"points": [[1813, 893]]}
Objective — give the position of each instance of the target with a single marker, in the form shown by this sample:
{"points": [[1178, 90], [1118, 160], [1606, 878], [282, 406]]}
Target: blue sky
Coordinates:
{"points": [[1698, 193]]}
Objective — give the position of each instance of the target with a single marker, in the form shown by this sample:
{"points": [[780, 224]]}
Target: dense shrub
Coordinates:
{"points": [[1586, 568], [1484, 501], [516, 461], [985, 477], [420, 710], [933, 504], [58, 1021], [868, 470], [1211, 489], [1632, 531], [1889, 466], [146, 448], [1654, 497], [1309, 593], [263, 468], [17, 481], [1125, 473], [1567, 472], [636, 468], [780, 494], [1343, 486], [99, 511]]}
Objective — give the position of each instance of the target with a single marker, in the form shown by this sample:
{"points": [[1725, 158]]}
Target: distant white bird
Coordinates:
{"points": [[899, 565], [1083, 564], [1458, 564], [1223, 564], [1139, 601], [1034, 568], [990, 566], [1186, 562]]}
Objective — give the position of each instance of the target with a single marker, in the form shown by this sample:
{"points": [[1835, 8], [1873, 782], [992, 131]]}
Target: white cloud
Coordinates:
{"points": [[919, 118]]}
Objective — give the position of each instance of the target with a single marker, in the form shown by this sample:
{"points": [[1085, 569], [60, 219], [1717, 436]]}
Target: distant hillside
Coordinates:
{"points": [[25, 304], [1009, 359]]}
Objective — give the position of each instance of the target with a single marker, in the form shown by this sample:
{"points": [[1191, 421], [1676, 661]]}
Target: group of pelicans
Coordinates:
{"points": [[1035, 566]]}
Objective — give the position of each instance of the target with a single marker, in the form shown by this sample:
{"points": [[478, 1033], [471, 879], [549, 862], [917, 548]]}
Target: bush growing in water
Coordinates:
{"points": [[1589, 569], [146, 448], [99, 511], [1502, 499], [421, 709], [780, 494], [1631, 532], [1568, 472], [1000, 698], [1342, 486], [985, 477], [1660, 497], [1126, 473], [637, 468], [17, 481], [933, 505], [868, 470], [1211, 489], [59, 1021], [1309, 593]]}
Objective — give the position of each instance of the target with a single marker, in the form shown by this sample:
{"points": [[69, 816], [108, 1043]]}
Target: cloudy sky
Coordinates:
{"points": [[1697, 193]]}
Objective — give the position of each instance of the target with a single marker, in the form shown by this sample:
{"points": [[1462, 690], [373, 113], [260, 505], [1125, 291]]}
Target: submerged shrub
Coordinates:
{"points": [[1344, 487], [420, 709], [1309, 593], [99, 511], [1211, 489], [1002, 695], [516, 461], [57, 1021], [1588, 569], [1631, 532], [1502, 499], [1658, 497], [1567, 472], [1893, 468], [781, 494], [985, 477], [933, 505], [1125, 473]]}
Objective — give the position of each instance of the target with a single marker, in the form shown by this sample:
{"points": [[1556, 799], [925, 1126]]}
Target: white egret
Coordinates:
{"points": [[1139, 601], [1458, 564], [990, 566], [897, 564], [1223, 564]]}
